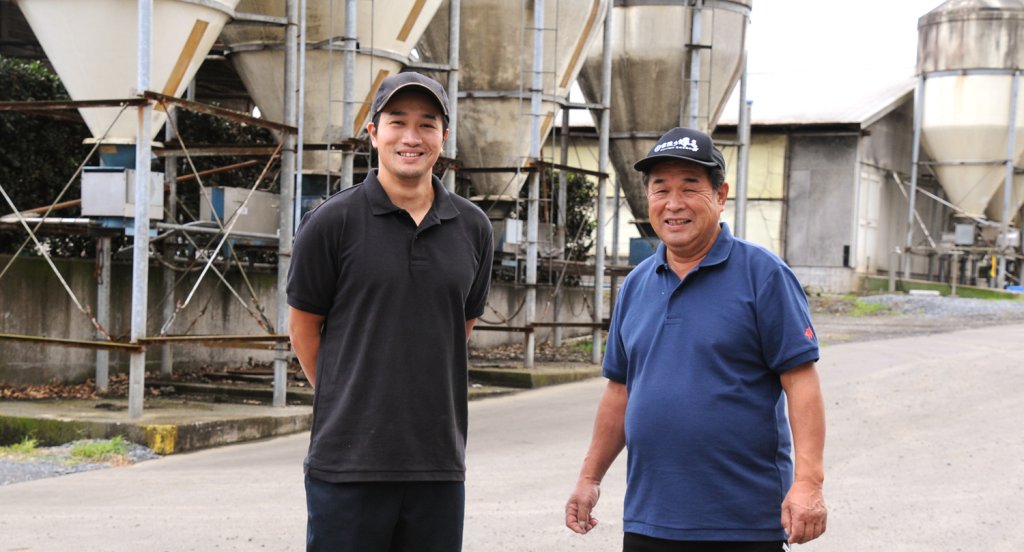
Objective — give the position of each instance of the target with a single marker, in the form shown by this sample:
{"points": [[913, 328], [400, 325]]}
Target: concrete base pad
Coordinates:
{"points": [[167, 426]]}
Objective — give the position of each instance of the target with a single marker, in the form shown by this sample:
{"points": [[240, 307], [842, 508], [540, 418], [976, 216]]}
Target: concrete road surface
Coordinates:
{"points": [[925, 453]]}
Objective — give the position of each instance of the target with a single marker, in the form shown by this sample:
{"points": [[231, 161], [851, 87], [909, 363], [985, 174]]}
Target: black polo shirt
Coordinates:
{"points": [[390, 401]]}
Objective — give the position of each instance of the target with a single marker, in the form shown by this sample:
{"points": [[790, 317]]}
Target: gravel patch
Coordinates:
{"points": [[874, 317], [46, 462], [988, 310]]}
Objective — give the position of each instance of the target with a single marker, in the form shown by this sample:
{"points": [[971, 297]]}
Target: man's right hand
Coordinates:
{"points": [[581, 503]]}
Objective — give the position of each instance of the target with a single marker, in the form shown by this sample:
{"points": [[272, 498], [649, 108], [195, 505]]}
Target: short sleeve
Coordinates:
{"points": [[784, 322], [476, 301], [313, 272]]}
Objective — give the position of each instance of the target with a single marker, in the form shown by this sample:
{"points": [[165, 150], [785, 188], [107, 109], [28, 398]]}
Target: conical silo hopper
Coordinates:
{"points": [[496, 75], [995, 207], [386, 33], [93, 45], [649, 63], [967, 51]]}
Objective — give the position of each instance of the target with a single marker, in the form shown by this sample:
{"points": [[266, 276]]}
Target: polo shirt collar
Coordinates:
{"points": [[380, 203], [718, 254]]}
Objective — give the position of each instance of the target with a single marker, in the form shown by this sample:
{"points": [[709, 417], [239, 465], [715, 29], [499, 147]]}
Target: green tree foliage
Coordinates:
{"points": [[39, 152], [581, 216]]}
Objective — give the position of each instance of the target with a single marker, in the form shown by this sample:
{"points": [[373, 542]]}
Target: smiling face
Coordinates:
{"points": [[684, 208], [409, 137]]}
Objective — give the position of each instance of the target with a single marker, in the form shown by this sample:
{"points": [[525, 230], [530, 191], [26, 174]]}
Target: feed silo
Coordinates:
{"points": [[495, 79], [93, 45], [656, 45], [968, 53], [386, 33]]}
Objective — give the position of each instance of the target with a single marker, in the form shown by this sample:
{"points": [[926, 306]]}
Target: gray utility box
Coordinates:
{"points": [[260, 214], [110, 192]]}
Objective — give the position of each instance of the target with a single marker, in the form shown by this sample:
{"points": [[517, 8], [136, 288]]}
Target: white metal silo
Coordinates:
{"points": [[495, 78], [93, 47], [968, 53], [386, 33], [652, 56]]}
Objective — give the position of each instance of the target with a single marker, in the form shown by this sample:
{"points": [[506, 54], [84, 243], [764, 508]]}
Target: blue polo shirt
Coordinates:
{"points": [[709, 446]]}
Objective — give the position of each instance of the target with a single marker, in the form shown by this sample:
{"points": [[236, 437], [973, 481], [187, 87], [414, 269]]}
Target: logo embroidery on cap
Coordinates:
{"points": [[682, 143]]}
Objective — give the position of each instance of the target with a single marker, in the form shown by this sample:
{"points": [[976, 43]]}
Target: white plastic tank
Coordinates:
{"points": [[93, 45], [386, 32], [649, 63], [496, 63], [966, 50]]}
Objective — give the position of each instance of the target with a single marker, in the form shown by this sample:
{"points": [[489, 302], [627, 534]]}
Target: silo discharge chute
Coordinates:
{"points": [[105, 67], [386, 33], [654, 43], [495, 80]]}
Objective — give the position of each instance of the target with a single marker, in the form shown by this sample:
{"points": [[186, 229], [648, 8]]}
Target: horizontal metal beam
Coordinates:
{"points": [[216, 151], [229, 114], [273, 338], [56, 105], [73, 343]]}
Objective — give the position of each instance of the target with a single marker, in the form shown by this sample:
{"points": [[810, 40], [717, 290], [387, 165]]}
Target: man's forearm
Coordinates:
{"points": [[609, 433], [807, 420], [304, 330]]}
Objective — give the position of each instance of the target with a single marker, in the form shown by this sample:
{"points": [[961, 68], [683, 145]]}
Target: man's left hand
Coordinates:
{"points": [[803, 512]]}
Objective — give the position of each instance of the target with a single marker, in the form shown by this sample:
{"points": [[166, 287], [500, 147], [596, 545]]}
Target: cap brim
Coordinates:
{"points": [[644, 165], [425, 88]]}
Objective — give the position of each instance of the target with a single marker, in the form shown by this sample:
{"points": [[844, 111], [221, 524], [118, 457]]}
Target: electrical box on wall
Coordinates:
{"points": [[259, 215], [110, 192]]}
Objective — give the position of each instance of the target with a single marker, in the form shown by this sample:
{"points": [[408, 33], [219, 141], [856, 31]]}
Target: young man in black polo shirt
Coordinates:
{"points": [[387, 279]]}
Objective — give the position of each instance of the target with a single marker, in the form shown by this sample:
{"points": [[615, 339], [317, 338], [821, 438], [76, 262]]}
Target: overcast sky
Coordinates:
{"points": [[787, 35]]}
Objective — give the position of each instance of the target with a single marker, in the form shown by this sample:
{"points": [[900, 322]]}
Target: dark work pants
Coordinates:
{"points": [[633, 542], [420, 516]]}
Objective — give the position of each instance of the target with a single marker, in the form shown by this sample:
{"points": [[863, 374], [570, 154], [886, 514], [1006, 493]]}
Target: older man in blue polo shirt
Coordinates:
{"points": [[710, 339], [386, 282]]}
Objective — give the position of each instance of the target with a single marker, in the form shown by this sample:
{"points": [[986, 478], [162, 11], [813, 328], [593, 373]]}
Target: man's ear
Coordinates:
{"points": [[371, 129], [723, 193]]}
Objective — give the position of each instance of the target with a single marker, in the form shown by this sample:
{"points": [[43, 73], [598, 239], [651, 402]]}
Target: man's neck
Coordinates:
{"points": [[415, 197]]}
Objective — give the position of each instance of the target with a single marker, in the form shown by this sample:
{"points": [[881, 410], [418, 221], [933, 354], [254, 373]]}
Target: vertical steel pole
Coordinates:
{"points": [[103, 256], [300, 118], [171, 182], [560, 236], [287, 179], [602, 183], [743, 159], [915, 156], [140, 250], [533, 203], [1011, 151], [451, 147], [695, 38], [348, 95]]}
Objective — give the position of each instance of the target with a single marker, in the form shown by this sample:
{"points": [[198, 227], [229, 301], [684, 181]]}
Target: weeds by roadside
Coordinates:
{"points": [[26, 447]]}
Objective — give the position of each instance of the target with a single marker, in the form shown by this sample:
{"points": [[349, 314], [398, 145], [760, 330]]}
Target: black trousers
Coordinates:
{"points": [[414, 516], [633, 542]]}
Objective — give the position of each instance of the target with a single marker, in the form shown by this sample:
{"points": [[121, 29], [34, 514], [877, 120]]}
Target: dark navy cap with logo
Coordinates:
{"points": [[685, 144], [391, 85]]}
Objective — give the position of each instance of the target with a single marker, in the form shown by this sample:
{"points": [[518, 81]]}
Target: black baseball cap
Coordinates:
{"points": [[391, 85], [685, 144]]}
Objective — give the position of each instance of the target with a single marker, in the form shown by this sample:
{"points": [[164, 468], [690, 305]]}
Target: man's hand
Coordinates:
{"points": [[581, 503], [803, 512]]}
